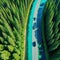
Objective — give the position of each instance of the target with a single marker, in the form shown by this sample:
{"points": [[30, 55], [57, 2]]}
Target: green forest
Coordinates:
{"points": [[13, 21], [14, 16], [51, 29]]}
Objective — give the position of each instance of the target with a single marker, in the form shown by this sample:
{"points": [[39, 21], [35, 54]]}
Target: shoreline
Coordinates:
{"points": [[25, 32]]}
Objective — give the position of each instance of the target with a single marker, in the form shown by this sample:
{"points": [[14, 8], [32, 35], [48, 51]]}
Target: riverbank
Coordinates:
{"points": [[24, 58]]}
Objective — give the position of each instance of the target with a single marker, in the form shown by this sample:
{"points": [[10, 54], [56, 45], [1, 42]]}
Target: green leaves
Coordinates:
{"points": [[16, 56], [51, 32], [13, 20], [1, 47], [5, 55]]}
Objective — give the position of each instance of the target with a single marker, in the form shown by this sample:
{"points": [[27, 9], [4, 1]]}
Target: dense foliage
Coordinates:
{"points": [[51, 29], [13, 19]]}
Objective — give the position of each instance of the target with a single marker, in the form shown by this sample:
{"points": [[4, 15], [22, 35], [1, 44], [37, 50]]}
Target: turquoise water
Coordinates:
{"points": [[30, 25], [43, 1], [29, 38], [39, 31]]}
